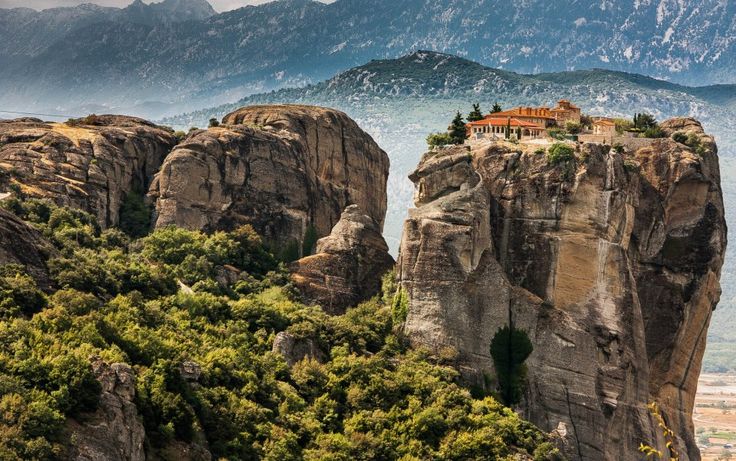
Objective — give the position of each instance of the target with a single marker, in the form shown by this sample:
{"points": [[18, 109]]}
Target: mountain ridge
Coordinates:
{"points": [[282, 44]]}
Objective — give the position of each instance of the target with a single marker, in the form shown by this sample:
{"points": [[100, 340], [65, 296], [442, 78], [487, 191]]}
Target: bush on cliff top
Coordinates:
{"points": [[373, 397], [560, 153]]}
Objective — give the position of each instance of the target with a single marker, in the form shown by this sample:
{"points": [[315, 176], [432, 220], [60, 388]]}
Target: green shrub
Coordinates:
{"points": [[310, 240], [510, 347], [541, 151], [91, 119], [560, 153], [135, 214], [171, 245], [556, 133], [439, 139], [654, 132], [680, 137], [573, 127], [694, 143], [19, 294]]}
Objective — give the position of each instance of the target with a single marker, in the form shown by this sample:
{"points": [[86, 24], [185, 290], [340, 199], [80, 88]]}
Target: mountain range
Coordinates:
{"points": [[179, 54]]}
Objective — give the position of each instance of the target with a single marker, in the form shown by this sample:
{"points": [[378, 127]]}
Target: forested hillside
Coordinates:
{"points": [[208, 378]]}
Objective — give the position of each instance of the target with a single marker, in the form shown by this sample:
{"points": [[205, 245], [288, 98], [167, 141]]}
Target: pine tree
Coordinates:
{"points": [[457, 129], [476, 114], [496, 108]]}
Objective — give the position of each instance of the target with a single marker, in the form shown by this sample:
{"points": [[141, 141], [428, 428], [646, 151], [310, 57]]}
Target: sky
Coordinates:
{"points": [[219, 5]]}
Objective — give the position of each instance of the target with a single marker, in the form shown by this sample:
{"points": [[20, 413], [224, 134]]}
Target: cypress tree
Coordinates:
{"points": [[457, 129], [475, 114]]}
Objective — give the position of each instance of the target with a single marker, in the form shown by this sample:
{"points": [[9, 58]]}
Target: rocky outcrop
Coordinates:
{"points": [[610, 264], [289, 171], [348, 264], [115, 430], [90, 164], [23, 245], [295, 349]]}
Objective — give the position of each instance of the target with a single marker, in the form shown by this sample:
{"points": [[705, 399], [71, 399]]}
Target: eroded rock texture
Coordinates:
{"points": [[115, 430], [348, 265], [610, 265], [287, 170], [23, 245], [90, 166]]}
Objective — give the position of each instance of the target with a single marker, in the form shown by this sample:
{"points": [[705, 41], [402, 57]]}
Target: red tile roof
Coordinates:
{"points": [[504, 121], [604, 122], [528, 112]]}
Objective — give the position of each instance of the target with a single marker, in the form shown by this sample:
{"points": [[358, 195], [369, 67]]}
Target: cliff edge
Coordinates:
{"points": [[608, 261], [287, 170]]}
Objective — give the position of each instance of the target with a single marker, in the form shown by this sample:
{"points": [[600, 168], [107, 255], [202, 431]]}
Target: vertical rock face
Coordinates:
{"points": [[610, 266], [23, 245], [114, 431], [90, 165], [348, 264], [287, 170]]}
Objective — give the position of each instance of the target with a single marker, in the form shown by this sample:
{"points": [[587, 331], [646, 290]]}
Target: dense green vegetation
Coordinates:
{"points": [[372, 398]]}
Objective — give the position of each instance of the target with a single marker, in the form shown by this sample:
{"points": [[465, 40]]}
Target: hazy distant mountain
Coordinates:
{"points": [[143, 58], [431, 77]]}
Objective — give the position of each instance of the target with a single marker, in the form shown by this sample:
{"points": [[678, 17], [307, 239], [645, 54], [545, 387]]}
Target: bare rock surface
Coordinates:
{"points": [[610, 265], [23, 245], [286, 170], [115, 430], [295, 349], [348, 264], [89, 165]]}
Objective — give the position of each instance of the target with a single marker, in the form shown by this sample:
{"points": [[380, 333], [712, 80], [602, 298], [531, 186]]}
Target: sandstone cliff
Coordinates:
{"points": [[90, 164], [347, 266], [287, 170], [23, 245], [610, 264], [115, 430]]}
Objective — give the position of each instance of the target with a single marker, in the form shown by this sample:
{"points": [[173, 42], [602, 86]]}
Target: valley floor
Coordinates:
{"points": [[715, 415]]}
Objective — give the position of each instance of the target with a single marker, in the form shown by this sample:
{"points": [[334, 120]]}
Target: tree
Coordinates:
{"points": [[214, 122], [457, 129], [510, 347], [508, 128], [135, 214], [573, 127], [622, 125], [475, 114], [644, 121], [439, 139], [560, 153], [496, 108]]}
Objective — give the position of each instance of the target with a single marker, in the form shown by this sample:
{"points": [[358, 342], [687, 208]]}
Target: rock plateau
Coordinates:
{"points": [[90, 164], [609, 263], [287, 170]]}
